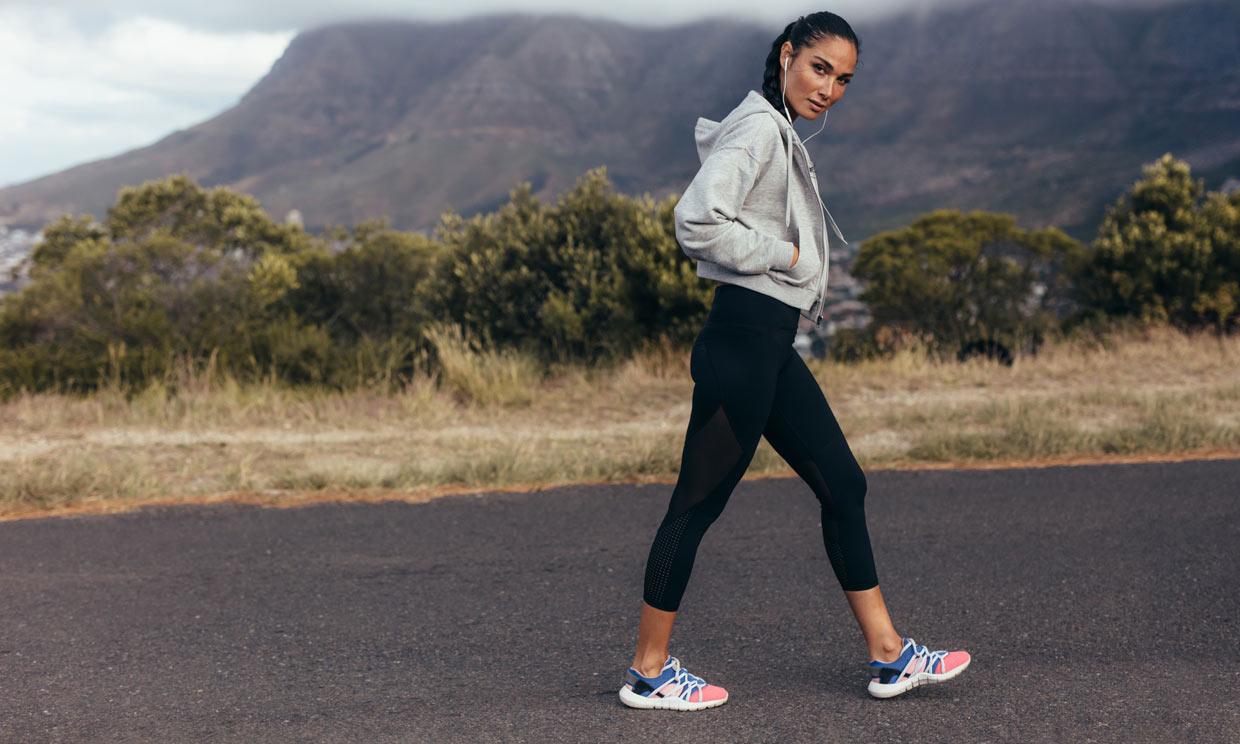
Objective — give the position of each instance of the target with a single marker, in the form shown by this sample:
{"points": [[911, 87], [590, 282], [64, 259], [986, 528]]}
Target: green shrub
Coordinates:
{"points": [[591, 277], [958, 282], [1165, 254]]}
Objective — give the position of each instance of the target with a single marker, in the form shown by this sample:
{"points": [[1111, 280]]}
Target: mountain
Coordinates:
{"points": [[1043, 109]]}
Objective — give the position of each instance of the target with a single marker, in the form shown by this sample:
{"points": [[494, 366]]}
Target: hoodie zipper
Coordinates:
{"points": [[820, 298], [826, 255], [826, 246]]}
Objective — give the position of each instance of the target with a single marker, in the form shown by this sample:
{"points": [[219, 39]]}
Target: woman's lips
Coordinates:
{"points": [[817, 106]]}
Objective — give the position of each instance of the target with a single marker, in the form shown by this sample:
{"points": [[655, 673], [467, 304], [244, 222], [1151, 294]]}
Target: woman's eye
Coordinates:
{"points": [[820, 68]]}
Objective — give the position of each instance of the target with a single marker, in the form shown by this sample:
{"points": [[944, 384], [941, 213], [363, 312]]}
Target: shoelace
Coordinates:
{"points": [[930, 656], [689, 683]]}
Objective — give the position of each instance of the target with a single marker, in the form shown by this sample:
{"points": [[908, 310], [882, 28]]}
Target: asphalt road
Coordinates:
{"points": [[1100, 604]]}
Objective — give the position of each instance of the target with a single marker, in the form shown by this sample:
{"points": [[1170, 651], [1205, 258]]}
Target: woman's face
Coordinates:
{"points": [[818, 75]]}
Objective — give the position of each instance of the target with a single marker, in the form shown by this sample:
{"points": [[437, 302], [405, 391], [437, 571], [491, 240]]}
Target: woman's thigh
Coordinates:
{"points": [[738, 366], [734, 370]]}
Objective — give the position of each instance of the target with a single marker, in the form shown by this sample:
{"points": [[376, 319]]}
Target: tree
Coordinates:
{"points": [[1161, 255], [60, 237], [219, 219], [961, 282], [593, 276], [374, 287], [174, 271]]}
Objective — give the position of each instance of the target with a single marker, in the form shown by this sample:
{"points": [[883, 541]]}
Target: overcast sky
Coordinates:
{"points": [[84, 80]]}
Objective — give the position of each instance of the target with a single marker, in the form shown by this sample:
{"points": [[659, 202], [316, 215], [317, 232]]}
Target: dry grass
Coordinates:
{"points": [[495, 422]]}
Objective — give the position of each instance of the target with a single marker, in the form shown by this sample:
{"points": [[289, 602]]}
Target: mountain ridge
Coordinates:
{"points": [[1043, 110]]}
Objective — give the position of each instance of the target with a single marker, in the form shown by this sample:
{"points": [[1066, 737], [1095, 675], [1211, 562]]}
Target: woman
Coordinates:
{"points": [[753, 220]]}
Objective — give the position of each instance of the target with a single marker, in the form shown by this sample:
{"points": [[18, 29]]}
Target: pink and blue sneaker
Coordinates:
{"points": [[917, 665], [673, 688]]}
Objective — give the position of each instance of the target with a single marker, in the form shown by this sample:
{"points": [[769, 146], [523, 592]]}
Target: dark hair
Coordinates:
{"points": [[802, 32]]}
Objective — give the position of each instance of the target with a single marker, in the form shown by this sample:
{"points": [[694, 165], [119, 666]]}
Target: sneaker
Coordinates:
{"points": [[673, 688], [916, 665]]}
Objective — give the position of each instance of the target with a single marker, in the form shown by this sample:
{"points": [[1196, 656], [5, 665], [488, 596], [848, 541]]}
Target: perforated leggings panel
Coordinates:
{"points": [[750, 382]]}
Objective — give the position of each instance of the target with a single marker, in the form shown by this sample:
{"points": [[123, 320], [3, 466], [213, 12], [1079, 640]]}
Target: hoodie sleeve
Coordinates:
{"points": [[705, 216]]}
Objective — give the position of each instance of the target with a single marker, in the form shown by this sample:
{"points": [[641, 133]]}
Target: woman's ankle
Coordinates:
{"points": [[888, 649], [649, 667]]}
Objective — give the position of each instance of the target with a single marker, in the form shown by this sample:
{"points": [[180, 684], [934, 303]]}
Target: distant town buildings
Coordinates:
{"points": [[15, 245], [844, 309]]}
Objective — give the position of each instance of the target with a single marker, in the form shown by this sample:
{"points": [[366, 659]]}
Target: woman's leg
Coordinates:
{"points": [[803, 430], [734, 369], [654, 634], [881, 639]]}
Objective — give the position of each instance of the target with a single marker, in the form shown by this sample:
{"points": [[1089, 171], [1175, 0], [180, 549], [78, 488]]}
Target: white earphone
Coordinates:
{"points": [[785, 105]]}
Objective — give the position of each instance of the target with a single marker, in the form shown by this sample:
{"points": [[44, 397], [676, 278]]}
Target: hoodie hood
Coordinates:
{"points": [[706, 134]]}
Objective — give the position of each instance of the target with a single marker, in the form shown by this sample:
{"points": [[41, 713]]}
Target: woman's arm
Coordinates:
{"points": [[705, 216]]}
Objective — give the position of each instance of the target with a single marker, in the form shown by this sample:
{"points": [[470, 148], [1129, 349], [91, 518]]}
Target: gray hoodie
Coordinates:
{"points": [[744, 209]]}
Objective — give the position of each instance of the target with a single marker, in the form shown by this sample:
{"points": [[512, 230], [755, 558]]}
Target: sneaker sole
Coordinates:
{"points": [[880, 690], [633, 700]]}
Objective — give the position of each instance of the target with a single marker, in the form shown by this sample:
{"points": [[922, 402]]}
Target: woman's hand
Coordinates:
{"points": [[796, 253]]}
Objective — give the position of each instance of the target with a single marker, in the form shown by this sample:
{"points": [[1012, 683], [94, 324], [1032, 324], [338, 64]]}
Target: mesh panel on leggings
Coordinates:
{"points": [[662, 553], [711, 452]]}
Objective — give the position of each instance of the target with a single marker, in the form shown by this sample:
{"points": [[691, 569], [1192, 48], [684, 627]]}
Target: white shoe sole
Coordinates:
{"points": [[880, 690], [633, 700]]}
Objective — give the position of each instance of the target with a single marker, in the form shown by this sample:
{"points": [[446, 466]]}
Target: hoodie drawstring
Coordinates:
{"points": [[788, 187], [788, 195], [788, 183]]}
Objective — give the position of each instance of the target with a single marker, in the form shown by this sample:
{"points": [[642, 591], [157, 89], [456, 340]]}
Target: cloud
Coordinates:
{"points": [[74, 91], [246, 15]]}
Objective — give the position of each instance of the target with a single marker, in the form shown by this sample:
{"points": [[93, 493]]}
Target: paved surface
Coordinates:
{"points": [[1099, 603]]}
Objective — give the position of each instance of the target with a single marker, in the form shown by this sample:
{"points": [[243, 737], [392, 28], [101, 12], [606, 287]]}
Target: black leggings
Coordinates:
{"points": [[750, 382]]}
